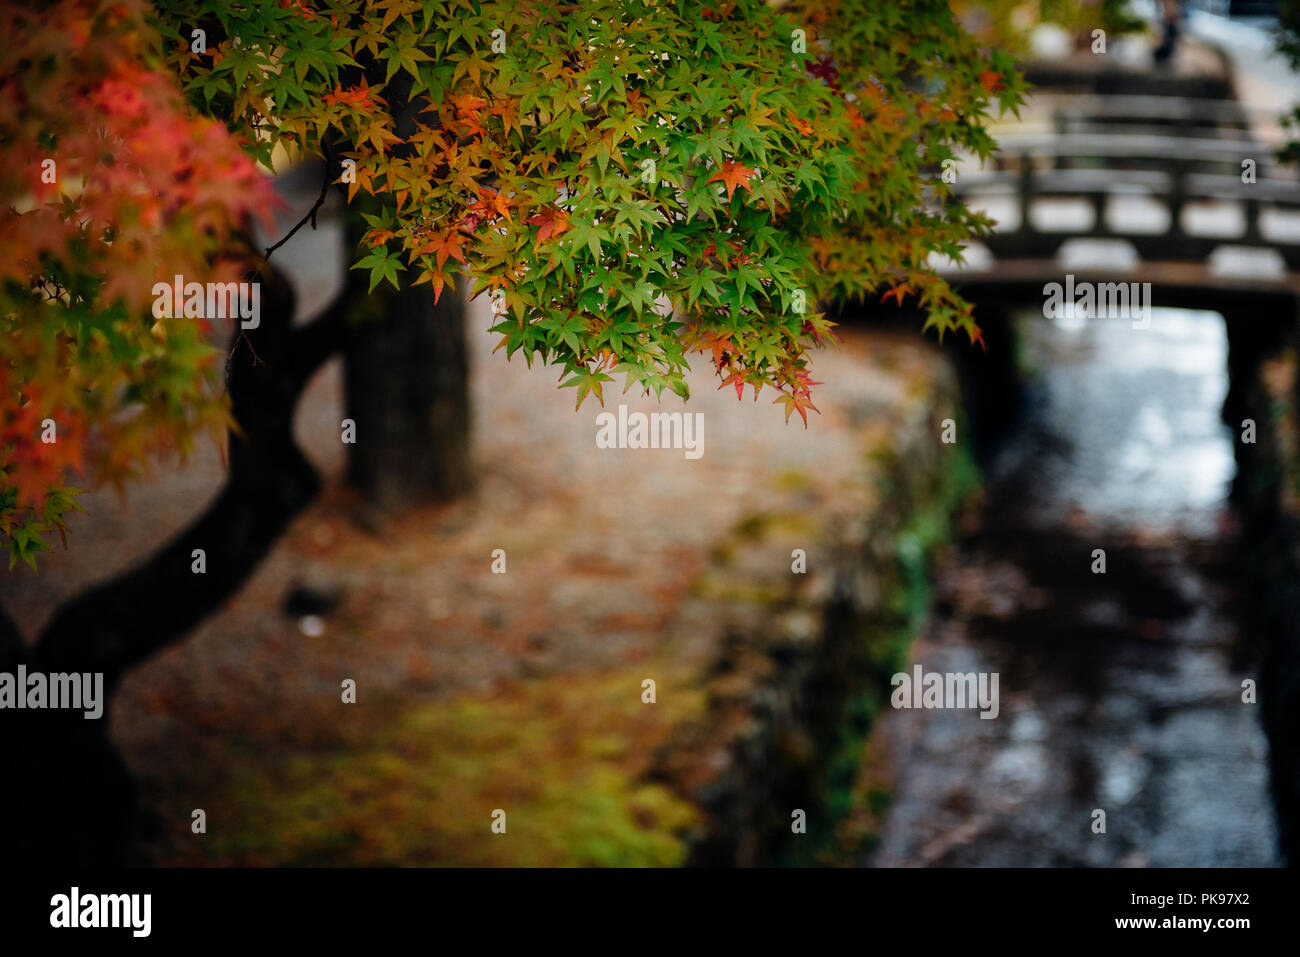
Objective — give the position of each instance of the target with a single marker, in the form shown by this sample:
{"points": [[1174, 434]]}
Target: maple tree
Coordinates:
{"points": [[106, 174], [569, 162], [1288, 45], [639, 182]]}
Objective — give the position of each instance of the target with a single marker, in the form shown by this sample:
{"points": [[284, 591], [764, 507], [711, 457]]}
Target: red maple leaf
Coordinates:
{"points": [[732, 174], [991, 81], [803, 382], [723, 11], [550, 222], [298, 7], [899, 291], [812, 331], [119, 94], [33, 465], [825, 69]]}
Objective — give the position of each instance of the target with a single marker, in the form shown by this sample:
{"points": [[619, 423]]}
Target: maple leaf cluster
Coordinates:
{"points": [[109, 182], [639, 180]]}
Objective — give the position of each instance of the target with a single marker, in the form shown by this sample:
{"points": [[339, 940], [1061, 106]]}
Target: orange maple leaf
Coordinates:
{"points": [[499, 202], [719, 344], [738, 380], [732, 174], [436, 280], [800, 402], [447, 245], [466, 103], [991, 81], [357, 97]]}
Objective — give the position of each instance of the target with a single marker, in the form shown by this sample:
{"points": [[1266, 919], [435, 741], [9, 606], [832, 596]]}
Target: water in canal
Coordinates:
{"points": [[1119, 692]]}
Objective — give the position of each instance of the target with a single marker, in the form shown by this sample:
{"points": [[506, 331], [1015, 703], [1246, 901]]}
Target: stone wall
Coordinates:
{"points": [[804, 660]]}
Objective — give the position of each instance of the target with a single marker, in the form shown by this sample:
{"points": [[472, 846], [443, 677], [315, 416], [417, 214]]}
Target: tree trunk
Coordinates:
{"points": [[407, 374], [66, 793], [408, 393]]}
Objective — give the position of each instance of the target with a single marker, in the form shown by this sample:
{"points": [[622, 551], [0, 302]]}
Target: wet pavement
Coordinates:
{"points": [[1119, 691]]}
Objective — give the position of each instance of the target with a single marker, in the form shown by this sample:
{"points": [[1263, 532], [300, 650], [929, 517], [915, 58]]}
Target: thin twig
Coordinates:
{"points": [[234, 346], [311, 213]]}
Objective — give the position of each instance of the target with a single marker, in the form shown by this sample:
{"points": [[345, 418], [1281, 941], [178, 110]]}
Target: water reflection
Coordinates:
{"points": [[1125, 424], [1119, 691]]}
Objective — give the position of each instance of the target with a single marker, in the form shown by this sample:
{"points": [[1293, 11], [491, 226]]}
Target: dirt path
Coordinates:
{"points": [[602, 549]]}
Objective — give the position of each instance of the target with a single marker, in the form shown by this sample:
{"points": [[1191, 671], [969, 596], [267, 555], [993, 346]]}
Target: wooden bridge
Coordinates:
{"points": [[1172, 190]]}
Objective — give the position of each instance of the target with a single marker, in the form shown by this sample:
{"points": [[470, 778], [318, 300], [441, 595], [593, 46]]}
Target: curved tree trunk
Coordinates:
{"points": [[67, 790]]}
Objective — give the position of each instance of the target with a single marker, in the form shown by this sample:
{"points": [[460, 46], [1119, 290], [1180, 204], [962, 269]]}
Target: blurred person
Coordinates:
{"points": [[1171, 15]]}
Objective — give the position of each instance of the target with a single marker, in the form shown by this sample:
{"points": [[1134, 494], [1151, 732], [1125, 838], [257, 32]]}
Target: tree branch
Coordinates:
{"points": [[116, 625], [321, 338], [310, 217]]}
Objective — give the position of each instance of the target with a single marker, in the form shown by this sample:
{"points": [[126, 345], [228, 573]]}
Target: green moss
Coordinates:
{"points": [[712, 586], [884, 645], [563, 757], [793, 480], [752, 526]]}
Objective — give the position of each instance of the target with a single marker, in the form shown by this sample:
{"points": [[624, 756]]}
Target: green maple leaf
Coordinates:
{"points": [[382, 265]]}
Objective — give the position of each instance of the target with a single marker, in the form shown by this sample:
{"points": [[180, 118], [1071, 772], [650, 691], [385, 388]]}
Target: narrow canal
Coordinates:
{"points": [[1119, 691]]}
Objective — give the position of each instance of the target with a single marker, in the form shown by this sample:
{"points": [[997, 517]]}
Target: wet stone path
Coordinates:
{"points": [[1118, 691]]}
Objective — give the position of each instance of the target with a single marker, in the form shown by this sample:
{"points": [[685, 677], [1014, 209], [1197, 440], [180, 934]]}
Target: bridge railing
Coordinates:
{"points": [[1184, 116], [1101, 169]]}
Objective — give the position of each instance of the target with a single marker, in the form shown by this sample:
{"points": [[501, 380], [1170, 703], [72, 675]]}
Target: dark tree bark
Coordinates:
{"points": [[408, 392], [66, 793], [67, 790], [115, 626], [408, 383]]}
